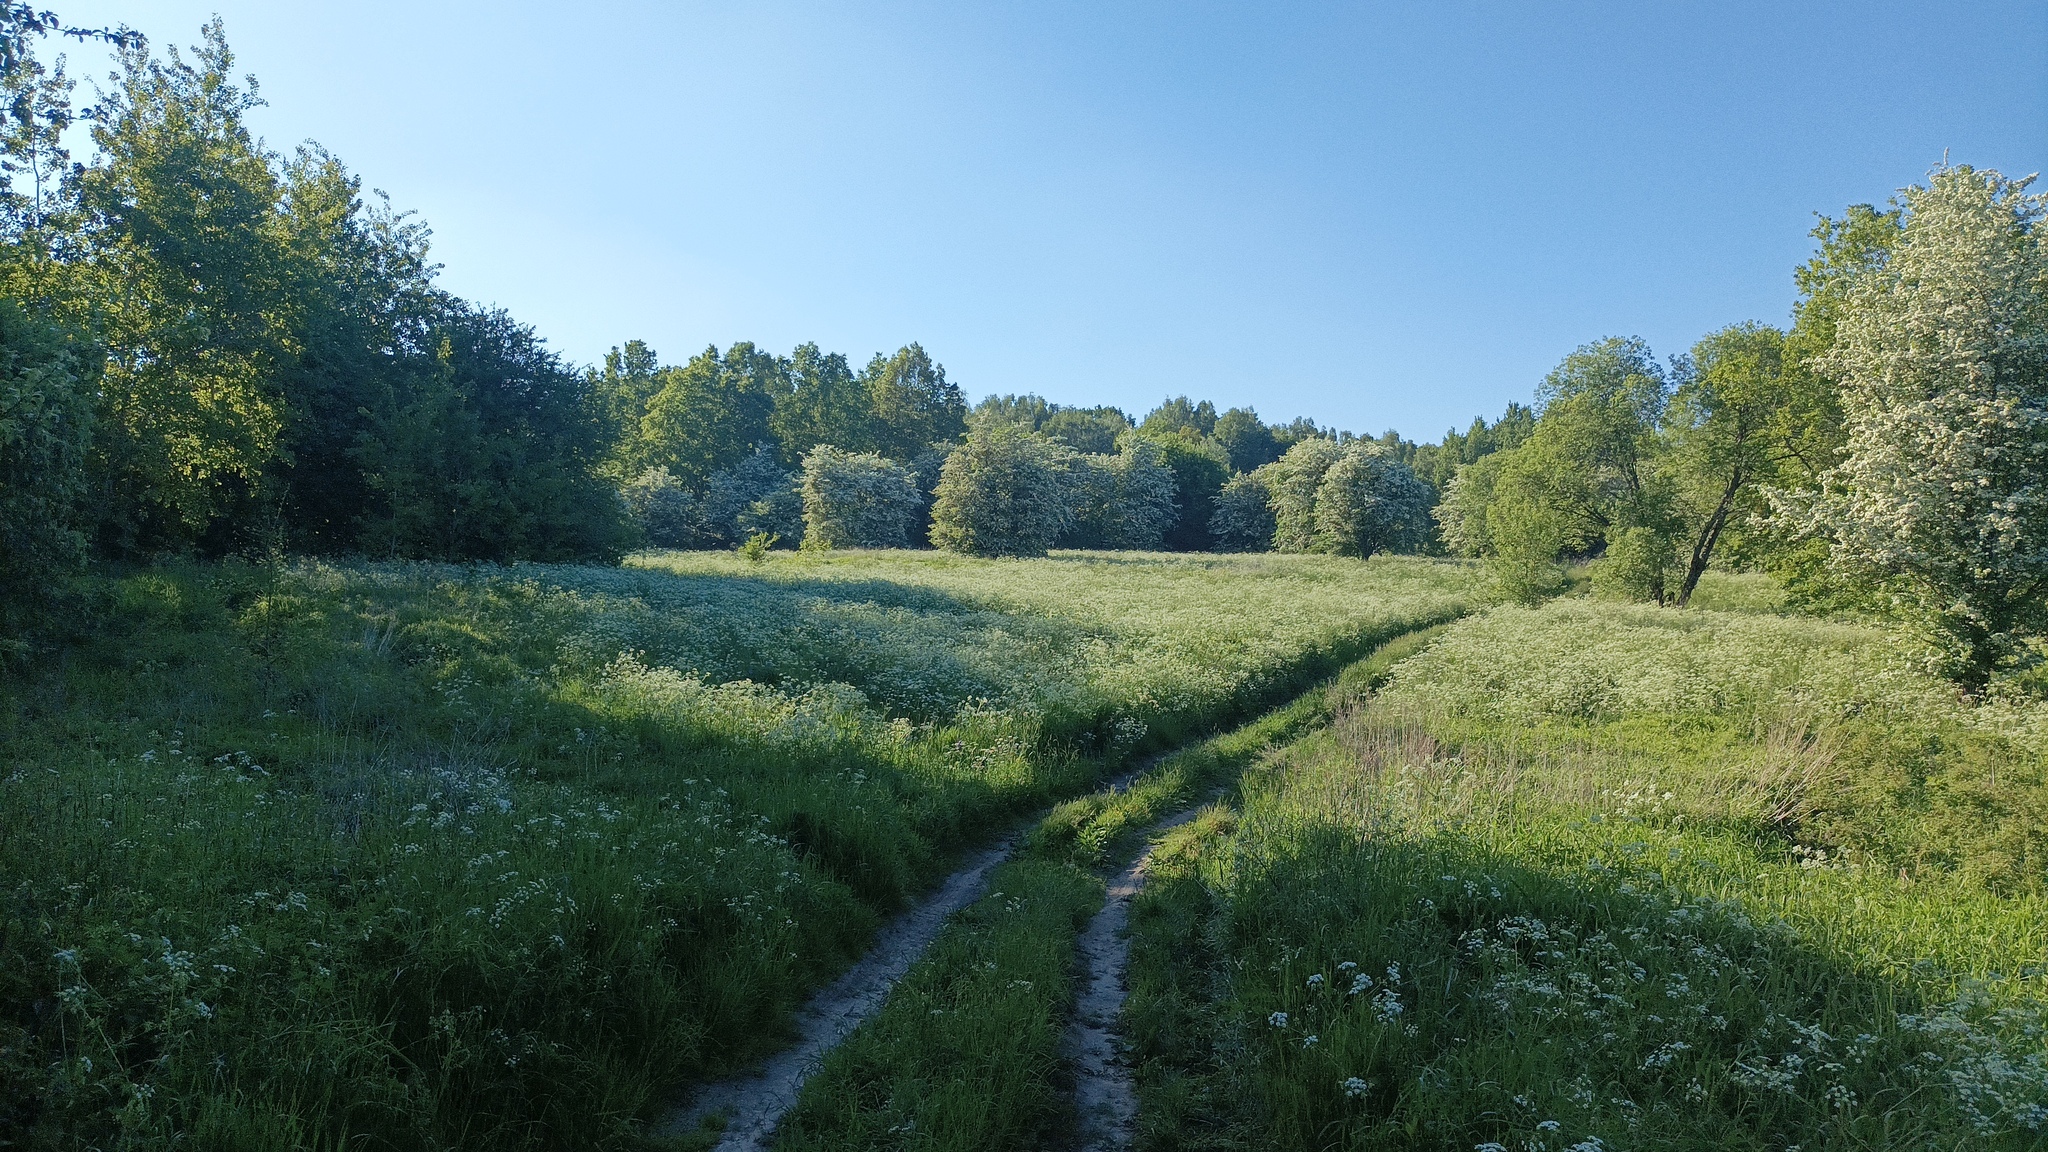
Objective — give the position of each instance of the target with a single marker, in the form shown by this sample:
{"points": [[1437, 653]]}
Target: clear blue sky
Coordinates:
{"points": [[1377, 215]]}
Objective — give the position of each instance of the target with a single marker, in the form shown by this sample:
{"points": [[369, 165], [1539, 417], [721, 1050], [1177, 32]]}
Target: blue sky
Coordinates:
{"points": [[1376, 215]]}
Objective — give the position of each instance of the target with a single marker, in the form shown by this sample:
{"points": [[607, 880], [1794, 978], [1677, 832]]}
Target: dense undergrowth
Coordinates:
{"points": [[1601, 877], [431, 856]]}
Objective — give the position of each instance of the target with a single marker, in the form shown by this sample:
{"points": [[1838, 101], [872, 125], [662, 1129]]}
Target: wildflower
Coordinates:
{"points": [[1311, 1041], [1359, 983], [1315, 982], [1490, 1146], [1277, 1019], [1347, 966], [1354, 1087], [1548, 1126]]}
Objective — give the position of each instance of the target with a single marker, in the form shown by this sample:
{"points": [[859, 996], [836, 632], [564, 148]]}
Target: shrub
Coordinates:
{"points": [[1005, 492], [1637, 564], [1369, 502], [857, 500], [1243, 520], [665, 511]]}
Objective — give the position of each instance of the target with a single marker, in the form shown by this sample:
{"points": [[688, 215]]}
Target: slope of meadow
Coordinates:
{"points": [[1595, 876], [429, 856]]}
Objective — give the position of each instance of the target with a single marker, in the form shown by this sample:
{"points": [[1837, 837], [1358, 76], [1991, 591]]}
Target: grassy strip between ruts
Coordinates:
{"points": [[966, 1053]]}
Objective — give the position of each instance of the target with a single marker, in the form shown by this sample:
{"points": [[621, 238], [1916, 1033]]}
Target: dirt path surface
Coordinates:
{"points": [[1104, 1095], [755, 1104]]}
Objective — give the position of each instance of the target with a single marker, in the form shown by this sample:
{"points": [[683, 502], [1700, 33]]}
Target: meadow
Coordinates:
{"points": [[465, 856], [1601, 876]]}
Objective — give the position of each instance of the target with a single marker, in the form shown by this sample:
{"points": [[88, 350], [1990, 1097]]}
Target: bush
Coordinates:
{"points": [[1637, 564], [45, 430], [1005, 492], [1243, 520], [755, 495], [1296, 478], [857, 500], [1369, 502], [665, 511]]}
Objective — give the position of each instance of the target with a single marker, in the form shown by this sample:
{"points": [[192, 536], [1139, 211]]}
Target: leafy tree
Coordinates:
{"points": [[857, 500], [1734, 421], [1243, 519], [1004, 492], [712, 412], [621, 390], [826, 403], [187, 282], [490, 453], [1461, 513], [1027, 411], [1180, 415], [1095, 430], [754, 496], [1369, 502], [1296, 477], [666, 513], [914, 405], [1438, 463], [1200, 467], [45, 434], [1123, 501], [1942, 351], [1246, 439]]}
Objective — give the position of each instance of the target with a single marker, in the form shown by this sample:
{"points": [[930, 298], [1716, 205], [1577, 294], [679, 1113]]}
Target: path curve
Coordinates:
{"points": [[1105, 1096]]}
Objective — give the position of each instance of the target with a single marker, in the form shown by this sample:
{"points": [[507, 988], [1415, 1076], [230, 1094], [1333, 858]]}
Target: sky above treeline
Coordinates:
{"points": [[1380, 216]]}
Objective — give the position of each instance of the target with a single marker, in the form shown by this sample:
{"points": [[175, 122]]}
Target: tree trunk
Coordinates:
{"points": [[1710, 535]]}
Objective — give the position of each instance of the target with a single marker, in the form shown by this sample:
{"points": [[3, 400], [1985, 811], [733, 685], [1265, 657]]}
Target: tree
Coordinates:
{"points": [[1369, 502], [1200, 467], [824, 404], [1243, 519], [712, 412], [666, 513], [1123, 501], [1942, 351], [187, 281], [1177, 415], [1730, 424], [754, 495], [1296, 477], [914, 405], [1247, 440], [628, 382], [1095, 430], [1005, 492], [857, 500], [1461, 513]]}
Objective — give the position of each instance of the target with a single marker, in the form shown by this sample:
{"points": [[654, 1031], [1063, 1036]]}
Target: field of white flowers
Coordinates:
{"points": [[1593, 876], [429, 856]]}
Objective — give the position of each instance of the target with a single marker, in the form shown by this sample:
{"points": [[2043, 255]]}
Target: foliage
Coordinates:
{"points": [[665, 512], [1004, 492], [1125, 501], [1199, 468], [1296, 478], [45, 434], [1942, 351], [1370, 502], [914, 405], [857, 500], [752, 497], [1637, 565], [711, 413], [1243, 521]]}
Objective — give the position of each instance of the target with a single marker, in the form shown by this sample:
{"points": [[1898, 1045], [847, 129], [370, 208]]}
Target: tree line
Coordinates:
{"points": [[208, 347]]}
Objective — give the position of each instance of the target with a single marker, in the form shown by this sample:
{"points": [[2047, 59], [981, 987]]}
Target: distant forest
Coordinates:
{"points": [[211, 348]]}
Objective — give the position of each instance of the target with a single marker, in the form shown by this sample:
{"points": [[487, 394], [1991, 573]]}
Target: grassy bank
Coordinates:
{"points": [[420, 856], [1592, 876]]}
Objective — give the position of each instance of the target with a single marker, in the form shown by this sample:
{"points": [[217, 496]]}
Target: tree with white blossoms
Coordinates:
{"points": [[1005, 492], [857, 500], [1941, 492], [1370, 502], [1123, 501]]}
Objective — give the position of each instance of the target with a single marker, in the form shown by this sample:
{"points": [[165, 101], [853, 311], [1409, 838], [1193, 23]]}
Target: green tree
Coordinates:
{"points": [[45, 433], [1733, 423], [857, 500], [621, 391], [753, 496], [1296, 477], [187, 280], [1004, 492], [1124, 501], [1095, 430], [913, 403], [665, 512], [1942, 351], [1180, 415], [712, 412], [1246, 439], [1369, 501], [825, 403], [1199, 467], [1243, 519]]}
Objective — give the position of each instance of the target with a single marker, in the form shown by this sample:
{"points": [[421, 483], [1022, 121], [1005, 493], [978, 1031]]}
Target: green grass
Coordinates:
{"points": [[419, 856], [1598, 876], [963, 1061]]}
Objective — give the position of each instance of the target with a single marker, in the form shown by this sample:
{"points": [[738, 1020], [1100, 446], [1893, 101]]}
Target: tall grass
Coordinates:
{"points": [[420, 856], [1599, 877]]}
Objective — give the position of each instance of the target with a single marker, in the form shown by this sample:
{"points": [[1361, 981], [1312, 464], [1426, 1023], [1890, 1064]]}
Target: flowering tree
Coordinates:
{"points": [[1941, 493], [1005, 492], [1370, 502], [857, 500]]}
